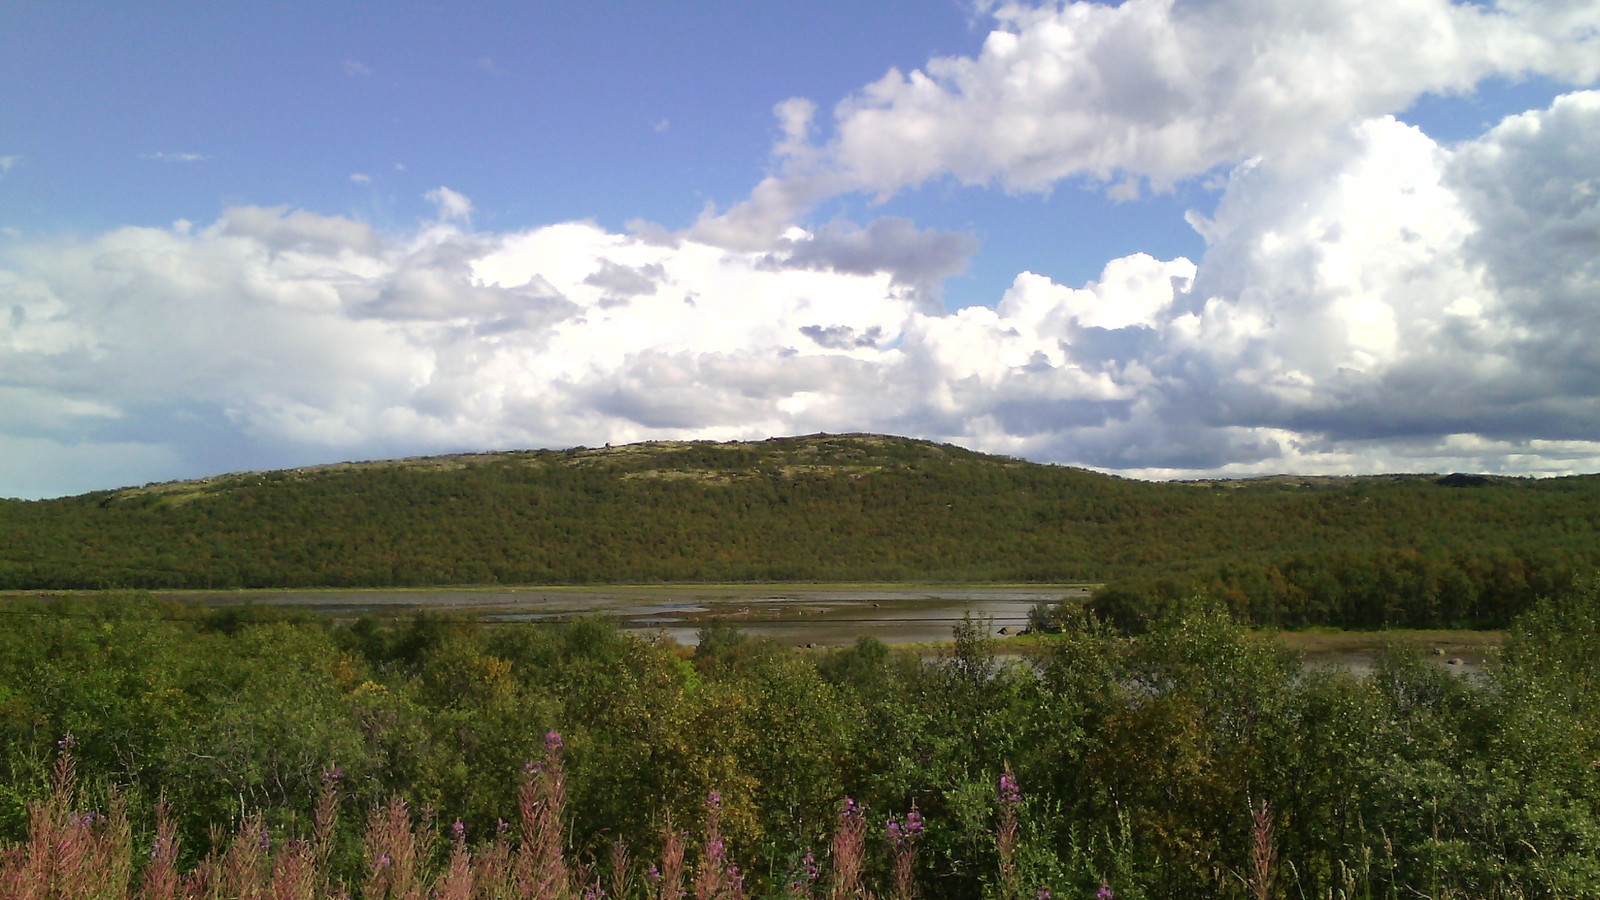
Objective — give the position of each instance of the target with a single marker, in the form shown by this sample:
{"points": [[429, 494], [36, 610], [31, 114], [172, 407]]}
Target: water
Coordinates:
{"points": [[802, 615], [799, 615]]}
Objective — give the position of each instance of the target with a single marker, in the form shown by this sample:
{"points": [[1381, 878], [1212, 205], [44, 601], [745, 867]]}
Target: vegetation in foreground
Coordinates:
{"points": [[1391, 551], [1193, 759]]}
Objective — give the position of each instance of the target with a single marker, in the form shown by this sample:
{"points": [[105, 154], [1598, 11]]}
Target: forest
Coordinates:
{"points": [[1376, 551], [158, 750], [1158, 742]]}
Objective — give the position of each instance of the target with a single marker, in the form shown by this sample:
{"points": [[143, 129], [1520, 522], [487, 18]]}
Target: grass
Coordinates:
{"points": [[1311, 642], [1453, 642]]}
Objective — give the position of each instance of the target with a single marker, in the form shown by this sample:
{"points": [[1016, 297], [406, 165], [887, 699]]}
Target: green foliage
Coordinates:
{"points": [[1360, 552], [1139, 758]]}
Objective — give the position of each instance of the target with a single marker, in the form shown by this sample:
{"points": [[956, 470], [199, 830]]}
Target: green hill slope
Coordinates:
{"points": [[852, 507]]}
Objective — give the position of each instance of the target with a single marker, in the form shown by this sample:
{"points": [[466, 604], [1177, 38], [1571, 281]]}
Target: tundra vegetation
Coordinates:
{"points": [[156, 750], [1388, 551], [1153, 745]]}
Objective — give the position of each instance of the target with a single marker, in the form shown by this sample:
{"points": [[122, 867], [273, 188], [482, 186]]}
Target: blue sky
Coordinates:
{"points": [[539, 112], [1163, 239]]}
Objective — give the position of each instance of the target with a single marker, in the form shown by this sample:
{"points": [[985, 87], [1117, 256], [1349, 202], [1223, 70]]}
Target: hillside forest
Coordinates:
{"points": [[1364, 552]]}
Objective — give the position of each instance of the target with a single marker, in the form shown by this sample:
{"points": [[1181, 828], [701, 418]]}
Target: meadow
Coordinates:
{"points": [[153, 749]]}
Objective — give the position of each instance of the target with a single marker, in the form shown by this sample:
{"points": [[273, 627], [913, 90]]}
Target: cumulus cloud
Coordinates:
{"points": [[1368, 299], [1164, 90], [1148, 93], [1409, 306], [915, 258], [624, 282]]}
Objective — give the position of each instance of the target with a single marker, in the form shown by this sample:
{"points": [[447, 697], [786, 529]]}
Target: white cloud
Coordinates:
{"points": [[451, 205], [360, 178], [1163, 91], [356, 69], [163, 156], [1368, 300], [1408, 306], [6, 164]]}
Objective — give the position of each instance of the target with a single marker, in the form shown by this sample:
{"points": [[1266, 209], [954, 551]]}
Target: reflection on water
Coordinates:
{"points": [[801, 615]]}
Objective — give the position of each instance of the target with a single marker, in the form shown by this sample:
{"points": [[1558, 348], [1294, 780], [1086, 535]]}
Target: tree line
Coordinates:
{"points": [[1342, 551]]}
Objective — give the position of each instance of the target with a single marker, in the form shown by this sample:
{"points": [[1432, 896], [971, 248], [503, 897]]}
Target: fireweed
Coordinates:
{"points": [[1262, 852], [849, 852], [718, 877], [77, 854], [1010, 797], [802, 883], [902, 835]]}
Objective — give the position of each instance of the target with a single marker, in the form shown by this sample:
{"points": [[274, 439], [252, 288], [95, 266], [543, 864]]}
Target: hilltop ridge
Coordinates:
{"points": [[853, 507]]}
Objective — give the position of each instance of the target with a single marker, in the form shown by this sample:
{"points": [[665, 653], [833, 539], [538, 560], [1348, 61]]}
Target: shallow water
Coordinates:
{"points": [[797, 614]]}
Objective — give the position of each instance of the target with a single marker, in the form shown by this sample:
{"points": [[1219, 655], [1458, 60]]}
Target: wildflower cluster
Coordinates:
{"points": [[1010, 794], [849, 850], [902, 833]]}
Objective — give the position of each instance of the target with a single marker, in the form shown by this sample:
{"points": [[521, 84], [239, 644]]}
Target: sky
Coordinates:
{"points": [[1161, 238]]}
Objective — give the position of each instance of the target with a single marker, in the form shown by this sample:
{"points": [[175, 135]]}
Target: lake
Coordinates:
{"points": [[812, 614], [798, 614]]}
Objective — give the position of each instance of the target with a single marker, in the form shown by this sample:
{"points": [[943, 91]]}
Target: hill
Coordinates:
{"points": [[823, 507]]}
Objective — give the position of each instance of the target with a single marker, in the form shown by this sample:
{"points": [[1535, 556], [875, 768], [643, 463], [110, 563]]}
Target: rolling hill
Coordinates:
{"points": [[821, 507]]}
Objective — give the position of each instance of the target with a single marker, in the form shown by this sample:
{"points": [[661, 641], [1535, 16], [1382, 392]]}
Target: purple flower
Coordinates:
{"points": [[715, 849], [905, 833], [264, 841], [458, 830], [156, 846], [714, 800], [1044, 894], [808, 867], [331, 776], [68, 741], [653, 873], [1104, 893], [383, 861], [552, 742], [1010, 794], [500, 826]]}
